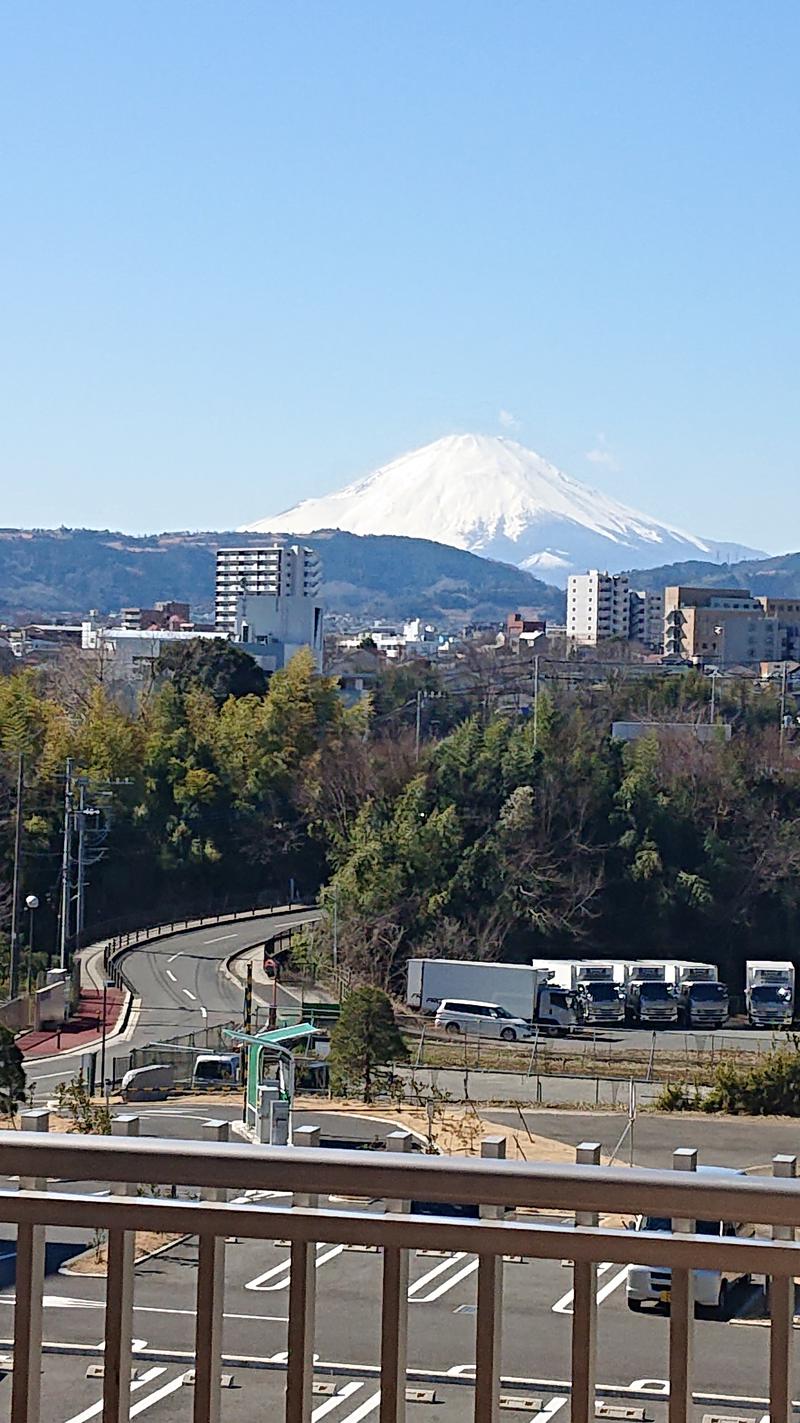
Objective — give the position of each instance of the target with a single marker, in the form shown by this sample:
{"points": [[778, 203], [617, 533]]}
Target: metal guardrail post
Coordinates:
{"points": [[394, 1310], [681, 1322], [584, 1310], [26, 1387], [121, 1254], [488, 1327], [781, 1312], [210, 1304], [302, 1306]]}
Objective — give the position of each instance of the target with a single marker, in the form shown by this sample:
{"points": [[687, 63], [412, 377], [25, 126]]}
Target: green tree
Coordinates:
{"points": [[13, 1084], [365, 1037], [214, 665], [75, 1102]]}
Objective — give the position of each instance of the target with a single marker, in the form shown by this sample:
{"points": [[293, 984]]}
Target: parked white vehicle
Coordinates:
{"points": [[489, 1020], [702, 999], [769, 993], [598, 997], [652, 1285], [649, 999], [524, 991]]}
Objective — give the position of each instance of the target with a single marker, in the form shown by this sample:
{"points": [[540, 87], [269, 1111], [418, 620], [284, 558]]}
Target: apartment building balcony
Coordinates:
{"points": [[517, 1213]]}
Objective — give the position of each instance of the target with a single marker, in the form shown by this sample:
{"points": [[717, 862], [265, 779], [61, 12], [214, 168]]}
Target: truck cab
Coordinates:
{"points": [[702, 999], [769, 993], [649, 999], [599, 998]]}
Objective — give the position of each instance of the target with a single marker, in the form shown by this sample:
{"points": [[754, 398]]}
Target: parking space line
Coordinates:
{"points": [[368, 1406], [336, 1401], [613, 1284], [284, 1270], [96, 1408], [437, 1270], [564, 1305], [449, 1283], [156, 1397], [549, 1409]]}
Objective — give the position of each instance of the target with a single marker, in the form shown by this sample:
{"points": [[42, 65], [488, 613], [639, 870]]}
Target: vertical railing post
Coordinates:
{"points": [[584, 1310], [781, 1312], [681, 1322], [302, 1306], [394, 1311], [488, 1329], [121, 1254], [26, 1387], [210, 1305]]}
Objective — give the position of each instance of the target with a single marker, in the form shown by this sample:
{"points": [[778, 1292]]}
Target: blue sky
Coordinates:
{"points": [[251, 250]]}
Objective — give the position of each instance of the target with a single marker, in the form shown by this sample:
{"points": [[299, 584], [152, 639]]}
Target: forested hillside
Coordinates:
{"points": [[500, 838]]}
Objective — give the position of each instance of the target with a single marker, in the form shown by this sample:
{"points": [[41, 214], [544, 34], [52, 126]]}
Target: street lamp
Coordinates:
{"points": [[31, 904]]}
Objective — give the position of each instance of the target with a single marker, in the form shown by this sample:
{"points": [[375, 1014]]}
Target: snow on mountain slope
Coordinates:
{"points": [[495, 497]]}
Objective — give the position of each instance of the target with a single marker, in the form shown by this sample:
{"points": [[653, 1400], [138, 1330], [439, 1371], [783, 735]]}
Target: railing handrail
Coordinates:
{"points": [[386, 1175], [479, 1236]]}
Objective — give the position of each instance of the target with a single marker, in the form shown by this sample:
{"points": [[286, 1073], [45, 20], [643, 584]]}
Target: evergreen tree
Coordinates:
{"points": [[13, 1084], [365, 1037]]}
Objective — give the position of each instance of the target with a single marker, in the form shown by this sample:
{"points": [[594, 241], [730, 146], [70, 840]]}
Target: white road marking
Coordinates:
{"points": [[284, 1270], [156, 1397], [613, 1284], [449, 1283], [336, 1400], [171, 975], [173, 957], [368, 1406], [98, 1407], [549, 1409], [564, 1305], [203, 1011], [219, 938], [193, 996], [437, 1270]]}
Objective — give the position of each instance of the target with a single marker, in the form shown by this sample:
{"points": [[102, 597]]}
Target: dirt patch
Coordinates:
{"points": [[95, 1260]]}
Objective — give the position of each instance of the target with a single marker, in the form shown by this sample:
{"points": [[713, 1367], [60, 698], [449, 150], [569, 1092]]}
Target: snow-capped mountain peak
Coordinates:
{"points": [[494, 497]]}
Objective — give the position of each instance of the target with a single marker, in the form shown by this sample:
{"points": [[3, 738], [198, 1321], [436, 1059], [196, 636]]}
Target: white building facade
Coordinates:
{"points": [[267, 599], [598, 607]]}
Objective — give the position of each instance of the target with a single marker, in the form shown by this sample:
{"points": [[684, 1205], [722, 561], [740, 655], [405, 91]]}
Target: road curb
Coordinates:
{"points": [[139, 1260]]}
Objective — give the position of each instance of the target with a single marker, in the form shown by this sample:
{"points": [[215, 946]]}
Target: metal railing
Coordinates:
{"points": [[217, 1167]]}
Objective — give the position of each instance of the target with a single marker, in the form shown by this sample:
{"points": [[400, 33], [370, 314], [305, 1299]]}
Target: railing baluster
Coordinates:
{"points": [[302, 1308], [488, 1328], [121, 1253], [394, 1311], [781, 1313], [584, 1310], [210, 1305], [26, 1387], [681, 1321]]}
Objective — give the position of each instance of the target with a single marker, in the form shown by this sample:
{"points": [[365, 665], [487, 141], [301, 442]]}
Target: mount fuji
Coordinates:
{"points": [[496, 498]]}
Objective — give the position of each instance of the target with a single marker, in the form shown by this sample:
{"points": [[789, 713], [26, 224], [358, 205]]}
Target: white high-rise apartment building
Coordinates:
{"points": [[598, 606], [278, 570]]}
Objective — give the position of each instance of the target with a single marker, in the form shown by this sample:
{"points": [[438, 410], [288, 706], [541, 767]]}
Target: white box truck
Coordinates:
{"points": [[702, 999], [649, 999], [523, 991], [769, 993], [598, 996]]}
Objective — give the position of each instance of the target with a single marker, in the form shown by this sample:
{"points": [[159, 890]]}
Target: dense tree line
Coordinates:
{"points": [[492, 833]]}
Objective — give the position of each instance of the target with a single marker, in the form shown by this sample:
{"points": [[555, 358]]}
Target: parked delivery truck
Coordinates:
{"points": [[598, 998], [769, 993], [523, 991], [649, 999], [702, 999]]}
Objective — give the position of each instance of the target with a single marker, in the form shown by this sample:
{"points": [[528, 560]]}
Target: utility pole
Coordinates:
{"points": [[81, 888], [535, 699], [714, 676], [14, 964], [66, 859], [418, 723], [335, 927]]}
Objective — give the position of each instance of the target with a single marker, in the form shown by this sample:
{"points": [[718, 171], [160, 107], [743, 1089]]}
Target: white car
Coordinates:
{"points": [[462, 1015], [712, 1288]]}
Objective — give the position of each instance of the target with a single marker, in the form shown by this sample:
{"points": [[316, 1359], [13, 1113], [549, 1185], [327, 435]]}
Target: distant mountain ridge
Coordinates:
{"points": [[66, 572], [777, 577], [494, 497]]}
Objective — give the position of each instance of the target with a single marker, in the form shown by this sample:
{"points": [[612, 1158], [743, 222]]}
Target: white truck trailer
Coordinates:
{"points": [[649, 999], [702, 999], [598, 997], [769, 993], [523, 991]]}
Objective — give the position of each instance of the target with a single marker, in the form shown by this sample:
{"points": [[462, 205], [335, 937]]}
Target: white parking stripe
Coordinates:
{"points": [[432, 1274], [564, 1305], [368, 1406], [449, 1283], [284, 1270], [98, 1407], [193, 996], [171, 975], [336, 1401], [612, 1285], [156, 1397], [550, 1408]]}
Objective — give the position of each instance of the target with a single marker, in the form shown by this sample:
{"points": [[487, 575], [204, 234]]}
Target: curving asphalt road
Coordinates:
{"points": [[180, 988]]}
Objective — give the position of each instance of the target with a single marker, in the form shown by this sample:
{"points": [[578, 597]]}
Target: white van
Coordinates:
{"points": [[462, 1015], [712, 1288], [153, 1083]]}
